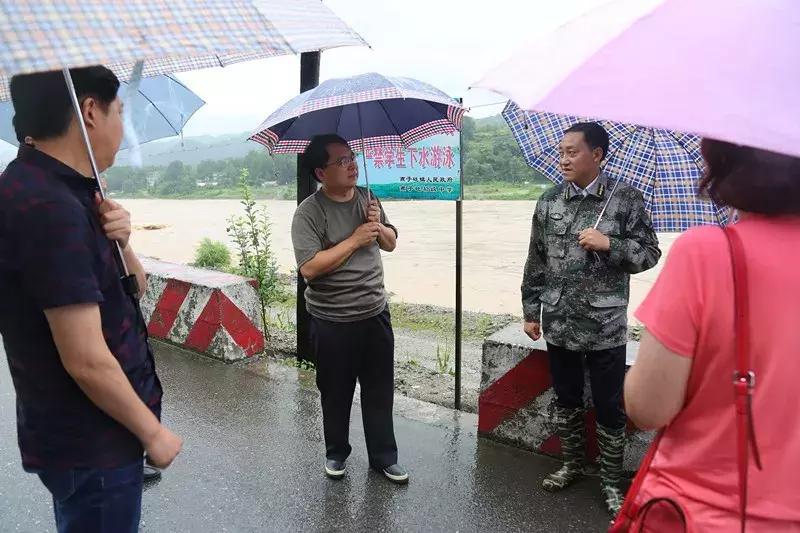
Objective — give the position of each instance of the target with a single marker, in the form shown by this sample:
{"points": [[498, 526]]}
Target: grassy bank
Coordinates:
{"points": [[501, 190], [441, 321], [427, 319]]}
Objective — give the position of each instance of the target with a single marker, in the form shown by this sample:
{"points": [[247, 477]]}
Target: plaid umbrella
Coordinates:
{"points": [[172, 36], [369, 111], [308, 25], [146, 37], [666, 166]]}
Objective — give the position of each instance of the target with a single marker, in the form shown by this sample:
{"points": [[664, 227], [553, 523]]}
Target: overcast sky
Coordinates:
{"points": [[448, 43]]}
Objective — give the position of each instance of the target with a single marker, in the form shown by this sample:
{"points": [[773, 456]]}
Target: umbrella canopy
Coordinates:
{"points": [[175, 35], [169, 36], [666, 166], [147, 37], [369, 110], [725, 69], [161, 107], [309, 25]]}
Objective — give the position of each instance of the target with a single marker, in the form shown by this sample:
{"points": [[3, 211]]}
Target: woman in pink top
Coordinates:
{"points": [[682, 378]]}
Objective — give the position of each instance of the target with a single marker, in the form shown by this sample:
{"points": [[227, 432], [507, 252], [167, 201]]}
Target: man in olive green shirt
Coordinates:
{"points": [[338, 234]]}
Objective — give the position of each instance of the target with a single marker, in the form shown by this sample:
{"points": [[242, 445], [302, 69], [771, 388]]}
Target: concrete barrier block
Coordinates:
{"points": [[517, 402], [215, 313]]}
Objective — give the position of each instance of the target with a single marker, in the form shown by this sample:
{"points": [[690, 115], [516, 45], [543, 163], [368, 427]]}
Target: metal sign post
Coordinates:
{"points": [[306, 186], [459, 218]]}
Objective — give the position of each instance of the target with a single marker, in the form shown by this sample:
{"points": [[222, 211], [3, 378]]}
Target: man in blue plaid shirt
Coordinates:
{"points": [[576, 288], [88, 397]]}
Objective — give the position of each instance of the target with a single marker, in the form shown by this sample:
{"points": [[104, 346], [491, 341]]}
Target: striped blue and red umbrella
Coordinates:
{"points": [[369, 111]]}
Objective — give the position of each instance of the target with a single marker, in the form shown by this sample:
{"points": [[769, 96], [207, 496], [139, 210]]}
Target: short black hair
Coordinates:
{"points": [[595, 135], [42, 105], [316, 153], [749, 179]]}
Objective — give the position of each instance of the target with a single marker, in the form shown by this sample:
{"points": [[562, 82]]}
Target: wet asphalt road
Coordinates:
{"points": [[253, 462]]}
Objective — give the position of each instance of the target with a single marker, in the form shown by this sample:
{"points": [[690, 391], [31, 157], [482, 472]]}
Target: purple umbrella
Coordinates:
{"points": [[725, 69]]}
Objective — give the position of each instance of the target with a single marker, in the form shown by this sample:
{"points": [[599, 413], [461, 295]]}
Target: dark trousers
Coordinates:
{"points": [[96, 500], [344, 352], [606, 376]]}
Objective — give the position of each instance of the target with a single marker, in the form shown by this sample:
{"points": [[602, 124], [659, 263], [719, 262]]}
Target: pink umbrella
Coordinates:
{"points": [[726, 69]]}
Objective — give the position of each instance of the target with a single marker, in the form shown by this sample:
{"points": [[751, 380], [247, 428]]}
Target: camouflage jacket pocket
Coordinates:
{"points": [[556, 239], [608, 307], [550, 296], [607, 300]]}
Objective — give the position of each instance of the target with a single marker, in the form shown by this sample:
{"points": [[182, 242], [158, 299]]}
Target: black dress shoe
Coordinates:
{"points": [[151, 473], [334, 469], [396, 474]]}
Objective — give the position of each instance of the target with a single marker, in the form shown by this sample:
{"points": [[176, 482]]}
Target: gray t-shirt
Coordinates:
{"points": [[355, 290]]}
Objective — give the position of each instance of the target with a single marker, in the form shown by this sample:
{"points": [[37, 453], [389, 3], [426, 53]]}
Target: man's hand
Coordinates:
{"points": [[365, 234], [594, 241], [533, 330], [163, 448], [116, 221], [374, 212]]}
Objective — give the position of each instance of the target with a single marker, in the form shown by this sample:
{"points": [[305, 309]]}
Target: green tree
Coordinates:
{"points": [[174, 171], [251, 233], [468, 129]]}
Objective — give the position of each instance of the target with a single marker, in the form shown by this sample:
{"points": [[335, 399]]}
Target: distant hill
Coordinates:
{"points": [[494, 120], [192, 150]]}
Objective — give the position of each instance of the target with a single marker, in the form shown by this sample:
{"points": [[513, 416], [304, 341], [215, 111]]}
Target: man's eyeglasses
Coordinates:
{"points": [[345, 161]]}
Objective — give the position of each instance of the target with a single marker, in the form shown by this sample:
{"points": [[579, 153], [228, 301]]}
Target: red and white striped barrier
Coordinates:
{"points": [[517, 402], [211, 312]]}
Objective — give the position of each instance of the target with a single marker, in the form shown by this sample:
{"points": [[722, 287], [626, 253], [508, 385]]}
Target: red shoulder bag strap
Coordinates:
{"points": [[744, 378]]}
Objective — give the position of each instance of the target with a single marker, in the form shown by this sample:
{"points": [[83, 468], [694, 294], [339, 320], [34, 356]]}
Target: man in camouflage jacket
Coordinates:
{"points": [[576, 288]]}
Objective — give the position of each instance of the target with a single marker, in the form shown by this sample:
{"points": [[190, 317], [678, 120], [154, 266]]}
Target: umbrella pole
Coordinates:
{"points": [[603, 211], [364, 155], [608, 201], [129, 281]]}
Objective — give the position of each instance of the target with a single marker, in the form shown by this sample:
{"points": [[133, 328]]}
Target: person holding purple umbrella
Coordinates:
{"points": [[683, 381], [338, 234]]}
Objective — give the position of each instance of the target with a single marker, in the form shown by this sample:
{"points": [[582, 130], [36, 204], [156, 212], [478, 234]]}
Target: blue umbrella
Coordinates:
{"points": [[666, 166], [160, 108], [369, 111]]}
